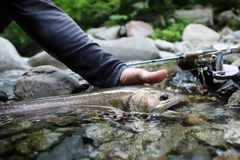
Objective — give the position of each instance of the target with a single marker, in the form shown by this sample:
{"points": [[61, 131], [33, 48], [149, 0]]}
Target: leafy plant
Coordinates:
{"points": [[234, 24], [89, 13], [117, 19], [173, 32]]}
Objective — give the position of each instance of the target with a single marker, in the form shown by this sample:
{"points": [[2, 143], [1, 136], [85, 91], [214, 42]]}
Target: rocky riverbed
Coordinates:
{"points": [[210, 131]]}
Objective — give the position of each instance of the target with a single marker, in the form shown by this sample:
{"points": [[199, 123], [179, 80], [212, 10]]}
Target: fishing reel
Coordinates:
{"points": [[208, 65]]}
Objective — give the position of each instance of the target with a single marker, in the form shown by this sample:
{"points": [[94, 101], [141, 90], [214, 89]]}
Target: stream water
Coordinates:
{"points": [[210, 131]]}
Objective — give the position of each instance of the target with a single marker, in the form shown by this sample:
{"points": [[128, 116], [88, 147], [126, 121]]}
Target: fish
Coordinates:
{"points": [[142, 99]]}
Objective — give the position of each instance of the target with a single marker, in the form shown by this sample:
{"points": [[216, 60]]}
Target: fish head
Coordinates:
{"points": [[155, 100]]}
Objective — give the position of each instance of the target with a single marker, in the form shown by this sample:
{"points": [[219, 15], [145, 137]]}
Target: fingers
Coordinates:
{"points": [[137, 76]]}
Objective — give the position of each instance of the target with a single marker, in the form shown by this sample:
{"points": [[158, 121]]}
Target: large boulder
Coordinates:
{"points": [[199, 15], [199, 32], [44, 81], [9, 57], [43, 58], [138, 28], [226, 17], [105, 33], [130, 48]]}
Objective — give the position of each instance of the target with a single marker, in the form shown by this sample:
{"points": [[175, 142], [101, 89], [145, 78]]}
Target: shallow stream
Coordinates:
{"points": [[210, 131]]}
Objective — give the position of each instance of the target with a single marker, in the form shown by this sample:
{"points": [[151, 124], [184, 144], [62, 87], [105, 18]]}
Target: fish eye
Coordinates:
{"points": [[164, 97]]}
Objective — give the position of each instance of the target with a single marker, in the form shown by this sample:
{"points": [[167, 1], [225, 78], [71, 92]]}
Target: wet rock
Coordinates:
{"points": [[40, 142], [138, 28], [15, 127], [175, 140], [44, 81], [105, 33], [70, 148], [199, 32], [43, 58], [130, 151], [226, 16], [186, 82], [203, 154], [130, 48], [62, 120], [232, 133], [18, 137], [230, 152], [234, 100], [184, 76], [211, 135], [66, 130], [9, 57], [100, 133], [227, 89], [152, 135], [5, 146], [199, 15], [3, 96], [139, 126]]}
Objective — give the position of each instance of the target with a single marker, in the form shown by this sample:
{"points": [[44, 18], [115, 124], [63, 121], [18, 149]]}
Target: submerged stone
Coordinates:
{"points": [[70, 148], [5, 146], [63, 120], [175, 139], [232, 133], [203, 154], [212, 136], [234, 100], [15, 127], [100, 133], [40, 142]]}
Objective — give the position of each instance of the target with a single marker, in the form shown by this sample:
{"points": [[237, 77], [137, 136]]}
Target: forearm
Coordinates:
{"points": [[60, 36]]}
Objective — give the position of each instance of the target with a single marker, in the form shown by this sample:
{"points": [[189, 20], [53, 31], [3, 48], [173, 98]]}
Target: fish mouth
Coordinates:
{"points": [[181, 103], [171, 104]]}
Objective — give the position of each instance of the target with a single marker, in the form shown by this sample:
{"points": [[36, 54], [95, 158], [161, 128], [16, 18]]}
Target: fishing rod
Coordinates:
{"points": [[193, 55]]}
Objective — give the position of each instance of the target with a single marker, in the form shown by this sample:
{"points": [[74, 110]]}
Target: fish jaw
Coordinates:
{"points": [[174, 102], [149, 102]]}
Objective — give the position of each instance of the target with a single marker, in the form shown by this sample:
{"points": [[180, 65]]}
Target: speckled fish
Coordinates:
{"points": [[129, 98]]}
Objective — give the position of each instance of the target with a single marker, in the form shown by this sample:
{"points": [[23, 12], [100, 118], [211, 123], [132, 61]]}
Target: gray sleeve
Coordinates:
{"points": [[60, 36]]}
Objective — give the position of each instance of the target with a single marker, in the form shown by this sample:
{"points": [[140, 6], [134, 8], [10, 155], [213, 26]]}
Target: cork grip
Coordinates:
{"points": [[238, 48], [190, 56]]}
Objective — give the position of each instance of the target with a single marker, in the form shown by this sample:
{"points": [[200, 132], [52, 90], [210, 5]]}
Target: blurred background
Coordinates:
{"points": [[159, 13]]}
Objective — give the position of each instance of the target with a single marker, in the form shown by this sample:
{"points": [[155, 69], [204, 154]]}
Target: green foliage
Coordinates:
{"points": [[173, 32], [235, 24], [89, 13], [117, 19], [218, 6]]}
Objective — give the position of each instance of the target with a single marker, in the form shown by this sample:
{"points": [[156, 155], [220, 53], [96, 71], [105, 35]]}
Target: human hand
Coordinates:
{"points": [[138, 76]]}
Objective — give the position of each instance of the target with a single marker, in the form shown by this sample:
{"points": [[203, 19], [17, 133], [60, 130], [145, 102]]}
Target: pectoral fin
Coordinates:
{"points": [[117, 103]]}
